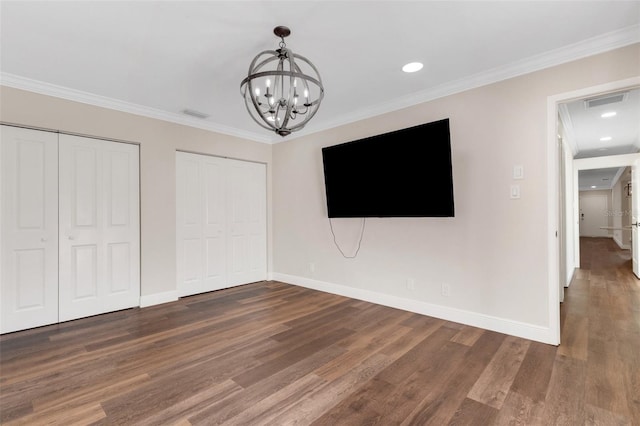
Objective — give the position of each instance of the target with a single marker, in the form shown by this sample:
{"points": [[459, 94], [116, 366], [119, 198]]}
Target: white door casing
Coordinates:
{"points": [[635, 216], [29, 209], [99, 227]]}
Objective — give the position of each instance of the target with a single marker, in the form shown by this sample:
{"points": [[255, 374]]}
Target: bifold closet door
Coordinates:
{"points": [[246, 222], [200, 234], [29, 209], [221, 223], [99, 227]]}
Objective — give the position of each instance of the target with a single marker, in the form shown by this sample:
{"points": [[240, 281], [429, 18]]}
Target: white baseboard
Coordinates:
{"points": [[158, 298], [488, 322], [621, 244]]}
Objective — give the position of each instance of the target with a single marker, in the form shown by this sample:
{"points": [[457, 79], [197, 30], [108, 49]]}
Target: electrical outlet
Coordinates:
{"points": [[411, 284], [312, 267], [446, 290]]}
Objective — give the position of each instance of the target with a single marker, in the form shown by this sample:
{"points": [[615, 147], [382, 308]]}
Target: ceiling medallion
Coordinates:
{"points": [[282, 90]]}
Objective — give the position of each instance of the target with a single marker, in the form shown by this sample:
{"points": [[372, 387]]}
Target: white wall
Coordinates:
{"points": [[493, 254], [158, 141]]}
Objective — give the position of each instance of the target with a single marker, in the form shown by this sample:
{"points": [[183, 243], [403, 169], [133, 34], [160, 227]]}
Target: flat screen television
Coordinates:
{"points": [[405, 173]]}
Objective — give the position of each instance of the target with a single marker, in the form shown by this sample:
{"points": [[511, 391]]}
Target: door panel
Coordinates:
{"points": [[29, 225], [99, 227]]}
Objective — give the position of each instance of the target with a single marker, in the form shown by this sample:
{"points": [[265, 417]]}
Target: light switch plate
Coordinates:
{"points": [[515, 192], [518, 172]]}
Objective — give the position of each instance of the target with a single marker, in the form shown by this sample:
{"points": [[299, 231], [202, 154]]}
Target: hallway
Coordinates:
{"points": [[601, 335]]}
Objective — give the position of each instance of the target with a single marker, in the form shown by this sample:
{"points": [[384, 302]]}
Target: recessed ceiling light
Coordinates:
{"points": [[606, 138], [593, 187], [609, 114], [602, 149], [412, 67]]}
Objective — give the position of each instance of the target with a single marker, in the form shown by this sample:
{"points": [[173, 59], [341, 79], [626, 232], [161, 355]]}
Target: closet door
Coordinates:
{"points": [[246, 222], [99, 227], [221, 223], [200, 223], [29, 217]]}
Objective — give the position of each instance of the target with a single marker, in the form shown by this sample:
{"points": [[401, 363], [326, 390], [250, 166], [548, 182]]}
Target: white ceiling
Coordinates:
{"points": [[585, 126], [159, 58]]}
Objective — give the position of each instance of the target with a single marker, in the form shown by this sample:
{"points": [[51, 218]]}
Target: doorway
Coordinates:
{"points": [[564, 235]]}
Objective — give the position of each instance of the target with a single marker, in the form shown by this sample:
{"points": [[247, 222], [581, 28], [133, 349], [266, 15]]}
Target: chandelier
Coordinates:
{"points": [[283, 90]]}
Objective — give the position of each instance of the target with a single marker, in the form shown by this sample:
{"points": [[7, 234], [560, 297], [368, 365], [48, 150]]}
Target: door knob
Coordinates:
{"points": [[71, 237], [43, 239]]}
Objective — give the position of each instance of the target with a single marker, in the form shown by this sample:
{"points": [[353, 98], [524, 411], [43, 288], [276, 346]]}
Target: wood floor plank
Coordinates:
{"points": [[534, 374], [493, 385], [565, 401], [473, 413], [440, 405], [575, 332], [322, 400], [467, 336], [595, 416], [520, 410]]}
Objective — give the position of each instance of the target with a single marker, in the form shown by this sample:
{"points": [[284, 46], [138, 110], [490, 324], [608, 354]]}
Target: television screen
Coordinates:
{"points": [[405, 173]]}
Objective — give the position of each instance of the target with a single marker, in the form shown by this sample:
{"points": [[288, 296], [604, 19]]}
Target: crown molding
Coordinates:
{"points": [[23, 83], [582, 49], [592, 46]]}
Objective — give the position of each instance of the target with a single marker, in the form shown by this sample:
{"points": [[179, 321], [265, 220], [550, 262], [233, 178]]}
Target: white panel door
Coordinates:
{"points": [[246, 222], [29, 249], [200, 223], [99, 227], [635, 216], [593, 215]]}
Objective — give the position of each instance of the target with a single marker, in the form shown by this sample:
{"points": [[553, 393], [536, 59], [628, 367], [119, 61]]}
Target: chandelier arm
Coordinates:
{"points": [[264, 123], [255, 105]]}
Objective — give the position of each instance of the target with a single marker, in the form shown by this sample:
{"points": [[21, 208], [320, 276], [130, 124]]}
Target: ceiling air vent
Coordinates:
{"points": [[605, 100], [195, 113]]}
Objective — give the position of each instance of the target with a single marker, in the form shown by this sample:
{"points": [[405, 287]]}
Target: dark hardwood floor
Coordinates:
{"points": [[272, 353]]}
